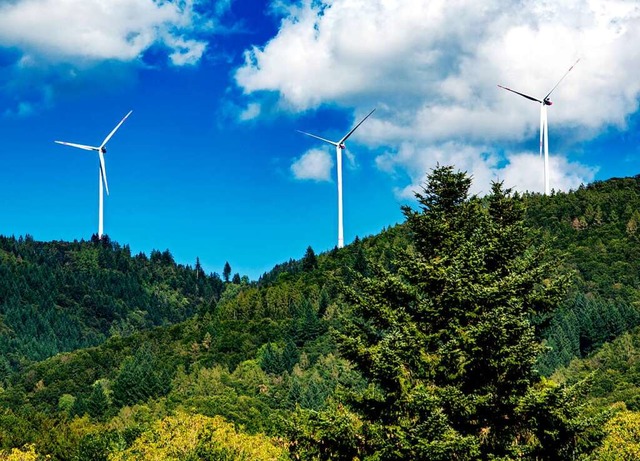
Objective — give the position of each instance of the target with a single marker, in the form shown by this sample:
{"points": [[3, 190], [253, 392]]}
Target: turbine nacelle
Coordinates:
{"points": [[103, 150], [547, 102], [342, 146]]}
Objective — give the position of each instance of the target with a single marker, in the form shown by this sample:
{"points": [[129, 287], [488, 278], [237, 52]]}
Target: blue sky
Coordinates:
{"points": [[210, 165]]}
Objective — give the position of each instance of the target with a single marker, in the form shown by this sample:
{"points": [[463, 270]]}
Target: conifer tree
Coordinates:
{"points": [[97, 403], [271, 360], [139, 378], [309, 261], [290, 355], [226, 272], [447, 344]]}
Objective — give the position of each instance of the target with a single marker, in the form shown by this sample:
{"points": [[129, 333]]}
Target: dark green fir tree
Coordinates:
{"points": [[226, 271], [309, 261], [447, 344]]}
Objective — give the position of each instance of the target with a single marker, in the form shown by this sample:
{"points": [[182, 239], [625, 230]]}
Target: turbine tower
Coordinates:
{"points": [[102, 172], [544, 128], [339, 147]]}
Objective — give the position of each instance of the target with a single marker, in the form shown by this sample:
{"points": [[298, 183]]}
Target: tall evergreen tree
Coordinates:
{"points": [[226, 272], [447, 343], [198, 267], [97, 403], [309, 261]]}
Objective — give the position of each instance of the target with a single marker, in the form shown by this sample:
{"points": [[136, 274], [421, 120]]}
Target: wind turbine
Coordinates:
{"points": [[339, 147], [544, 128], [102, 172]]}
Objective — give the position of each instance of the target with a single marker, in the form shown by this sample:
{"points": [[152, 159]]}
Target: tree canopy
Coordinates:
{"points": [[446, 342]]}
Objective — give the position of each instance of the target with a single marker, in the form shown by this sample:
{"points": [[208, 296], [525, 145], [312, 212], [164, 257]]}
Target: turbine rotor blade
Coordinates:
{"points": [[106, 140], [521, 94], [79, 146], [355, 127], [318, 137], [103, 171], [560, 81]]}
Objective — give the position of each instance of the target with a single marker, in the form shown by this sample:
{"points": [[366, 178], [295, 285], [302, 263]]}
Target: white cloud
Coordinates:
{"points": [[314, 164], [432, 70], [250, 112], [95, 30], [66, 45], [416, 160], [185, 52], [524, 172], [521, 171]]}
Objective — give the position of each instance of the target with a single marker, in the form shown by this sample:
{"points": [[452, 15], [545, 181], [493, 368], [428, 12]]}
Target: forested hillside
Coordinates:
{"points": [[290, 365], [59, 296], [595, 230]]}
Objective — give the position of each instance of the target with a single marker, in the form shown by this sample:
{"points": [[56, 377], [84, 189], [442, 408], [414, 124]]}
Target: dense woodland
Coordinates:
{"points": [[500, 327]]}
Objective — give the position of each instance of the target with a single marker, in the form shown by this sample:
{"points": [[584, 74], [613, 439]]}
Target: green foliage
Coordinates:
{"points": [[226, 272], [66, 403], [141, 377], [613, 372], [271, 360], [62, 296], [590, 226], [447, 342], [97, 403], [622, 440], [582, 326], [470, 288], [28, 454], [186, 437], [309, 261]]}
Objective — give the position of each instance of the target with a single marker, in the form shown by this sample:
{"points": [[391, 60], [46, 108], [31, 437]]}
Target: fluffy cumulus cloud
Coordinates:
{"points": [[314, 164], [96, 30], [432, 67], [61, 43], [518, 170]]}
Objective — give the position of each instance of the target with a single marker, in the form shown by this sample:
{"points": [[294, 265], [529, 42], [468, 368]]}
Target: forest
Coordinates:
{"points": [[500, 327]]}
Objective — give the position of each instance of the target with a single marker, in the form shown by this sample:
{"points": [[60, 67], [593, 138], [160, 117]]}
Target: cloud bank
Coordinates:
{"points": [[63, 30], [58, 43], [432, 69]]}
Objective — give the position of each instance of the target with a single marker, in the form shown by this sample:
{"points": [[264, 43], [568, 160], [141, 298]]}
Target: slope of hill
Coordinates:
{"points": [[60, 296], [171, 340], [595, 230]]}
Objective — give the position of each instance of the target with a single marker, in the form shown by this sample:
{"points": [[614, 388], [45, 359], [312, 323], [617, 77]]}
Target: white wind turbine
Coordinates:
{"points": [[544, 128], [339, 147], [102, 172]]}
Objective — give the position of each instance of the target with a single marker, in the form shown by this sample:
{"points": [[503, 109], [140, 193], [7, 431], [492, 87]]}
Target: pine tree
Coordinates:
{"points": [[309, 261], [140, 377], [226, 272], [198, 268], [97, 403], [360, 263], [271, 360], [290, 355], [447, 343]]}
